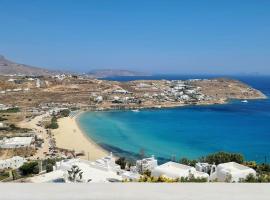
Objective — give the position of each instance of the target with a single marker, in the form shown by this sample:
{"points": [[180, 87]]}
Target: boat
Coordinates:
{"points": [[136, 110], [244, 101]]}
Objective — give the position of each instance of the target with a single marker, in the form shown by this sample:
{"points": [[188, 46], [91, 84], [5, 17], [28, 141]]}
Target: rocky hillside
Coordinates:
{"points": [[8, 67]]}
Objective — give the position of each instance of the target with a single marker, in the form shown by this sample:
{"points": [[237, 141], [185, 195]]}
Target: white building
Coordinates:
{"points": [[4, 107], [56, 110], [16, 142], [38, 82], [203, 167], [12, 163], [99, 99], [230, 172], [175, 170], [146, 164], [120, 91], [2, 125], [89, 173], [11, 80], [106, 163]]}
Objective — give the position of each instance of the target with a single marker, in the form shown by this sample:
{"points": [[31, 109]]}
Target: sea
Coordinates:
{"points": [[190, 131]]}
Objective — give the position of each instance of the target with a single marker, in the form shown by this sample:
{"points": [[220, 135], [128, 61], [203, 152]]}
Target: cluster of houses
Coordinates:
{"points": [[155, 92], [225, 172], [36, 83], [106, 170], [171, 91]]}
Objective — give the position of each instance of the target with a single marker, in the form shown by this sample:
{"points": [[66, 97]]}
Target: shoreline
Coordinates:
{"points": [[69, 135]]}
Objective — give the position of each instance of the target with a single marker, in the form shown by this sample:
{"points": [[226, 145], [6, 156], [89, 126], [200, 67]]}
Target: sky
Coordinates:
{"points": [[182, 36]]}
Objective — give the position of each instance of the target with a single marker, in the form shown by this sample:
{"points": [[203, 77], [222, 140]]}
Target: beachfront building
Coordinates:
{"points": [[16, 142], [12, 163], [146, 164], [230, 172], [175, 170]]}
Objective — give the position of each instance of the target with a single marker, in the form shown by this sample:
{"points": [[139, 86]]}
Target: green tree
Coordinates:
{"points": [[29, 168], [186, 161], [122, 162], [65, 113], [223, 157]]}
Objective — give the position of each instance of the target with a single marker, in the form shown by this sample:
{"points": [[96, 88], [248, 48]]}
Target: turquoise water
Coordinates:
{"points": [[191, 131]]}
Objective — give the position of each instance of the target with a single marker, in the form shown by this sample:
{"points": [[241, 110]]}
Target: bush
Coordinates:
{"points": [[49, 168], [223, 157], [65, 113], [48, 164], [10, 110], [186, 161], [122, 162], [53, 124], [29, 168]]}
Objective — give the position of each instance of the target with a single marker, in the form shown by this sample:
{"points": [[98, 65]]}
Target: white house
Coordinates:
{"points": [[12, 163], [230, 172], [89, 173], [16, 142], [99, 99], [175, 170], [203, 167], [4, 107], [106, 163], [146, 164]]}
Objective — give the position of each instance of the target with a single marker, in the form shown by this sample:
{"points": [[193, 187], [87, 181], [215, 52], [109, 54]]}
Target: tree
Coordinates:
{"points": [[122, 162], [53, 124], [29, 168], [65, 113], [75, 174], [49, 167], [186, 161], [223, 157]]}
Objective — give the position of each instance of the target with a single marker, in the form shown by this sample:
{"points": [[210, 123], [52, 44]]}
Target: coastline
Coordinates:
{"points": [[70, 136]]}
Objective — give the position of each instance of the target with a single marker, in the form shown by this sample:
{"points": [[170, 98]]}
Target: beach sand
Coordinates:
{"points": [[70, 136]]}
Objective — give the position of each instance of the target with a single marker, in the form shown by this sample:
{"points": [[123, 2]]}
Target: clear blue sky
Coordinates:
{"points": [[154, 36]]}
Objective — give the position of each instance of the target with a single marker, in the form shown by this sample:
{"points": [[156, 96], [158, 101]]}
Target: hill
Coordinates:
{"points": [[102, 73], [8, 67]]}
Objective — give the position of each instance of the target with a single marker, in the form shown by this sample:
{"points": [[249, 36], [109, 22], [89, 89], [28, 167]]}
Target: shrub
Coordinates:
{"points": [[223, 157], [122, 162], [48, 164], [29, 168], [65, 113], [53, 124], [11, 110], [186, 161], [49, 168]]}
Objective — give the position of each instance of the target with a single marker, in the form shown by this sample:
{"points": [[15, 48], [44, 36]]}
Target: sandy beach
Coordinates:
{"points": [[70, 136]]}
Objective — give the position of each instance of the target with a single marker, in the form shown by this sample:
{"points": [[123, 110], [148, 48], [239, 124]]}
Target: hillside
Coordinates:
{"points": [[114, 72], [8, 67]]}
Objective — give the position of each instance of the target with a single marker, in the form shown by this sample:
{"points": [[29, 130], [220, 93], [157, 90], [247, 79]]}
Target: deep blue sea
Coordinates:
{"points": [[192, 131]]}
